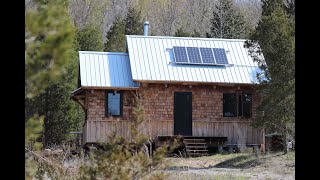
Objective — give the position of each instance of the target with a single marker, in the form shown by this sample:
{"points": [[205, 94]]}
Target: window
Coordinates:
{"points": [[237, 105], [246, 105], [113, 103], [229, 105]]}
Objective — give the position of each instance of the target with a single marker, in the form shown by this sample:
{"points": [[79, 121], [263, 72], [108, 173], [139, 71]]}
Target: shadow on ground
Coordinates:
{"points": [[239, 162]]}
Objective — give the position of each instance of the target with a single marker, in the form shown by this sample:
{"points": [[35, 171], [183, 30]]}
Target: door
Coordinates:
{"points": [[182, 113]]}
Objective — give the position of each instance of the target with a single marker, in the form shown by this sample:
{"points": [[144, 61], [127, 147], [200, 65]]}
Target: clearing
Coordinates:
{"points": [[233, 166]]}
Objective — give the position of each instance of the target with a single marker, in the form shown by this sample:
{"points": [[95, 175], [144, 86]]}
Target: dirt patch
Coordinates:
{"points": [[233, 166]]}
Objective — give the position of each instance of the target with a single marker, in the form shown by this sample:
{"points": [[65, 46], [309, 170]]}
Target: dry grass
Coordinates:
{"points": [[234, 166], [63, 165], [55, 162]]}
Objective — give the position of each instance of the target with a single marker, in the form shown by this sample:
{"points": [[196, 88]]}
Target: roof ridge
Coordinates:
{"points": [[102, 52], [189, 38]]}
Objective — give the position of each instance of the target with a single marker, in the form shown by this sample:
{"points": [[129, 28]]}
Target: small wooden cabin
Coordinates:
{"points": [[200, 87]]}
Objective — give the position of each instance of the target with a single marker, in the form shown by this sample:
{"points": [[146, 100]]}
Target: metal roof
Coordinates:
{"points": [[151, 59], [105, 69]]}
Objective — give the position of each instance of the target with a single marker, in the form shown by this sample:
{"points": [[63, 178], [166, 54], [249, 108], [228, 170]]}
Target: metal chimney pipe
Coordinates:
{"points": [[145, 28]]}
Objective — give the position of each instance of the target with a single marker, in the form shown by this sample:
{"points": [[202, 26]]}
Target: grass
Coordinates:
{"points": [[194, 176], [241, 161], [233, 166], [235, 160]]}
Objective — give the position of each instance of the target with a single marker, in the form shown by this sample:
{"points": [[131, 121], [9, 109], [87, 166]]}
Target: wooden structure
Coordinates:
{"points": [[208, 101], [159, 115]]}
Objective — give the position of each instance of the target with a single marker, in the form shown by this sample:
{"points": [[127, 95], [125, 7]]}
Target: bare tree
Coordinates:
{"points": [[82, 11], [196, 16], [162, 16], [114, 9], [227, 21], [251, 10]]}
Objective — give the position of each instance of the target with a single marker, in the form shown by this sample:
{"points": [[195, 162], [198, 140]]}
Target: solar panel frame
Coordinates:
{"points": [[194, 55], [220, 55], [180, 54]]}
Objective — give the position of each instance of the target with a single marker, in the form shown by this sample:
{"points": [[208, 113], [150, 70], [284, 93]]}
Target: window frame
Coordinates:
{"points": [[107, 103], [239, 105]]}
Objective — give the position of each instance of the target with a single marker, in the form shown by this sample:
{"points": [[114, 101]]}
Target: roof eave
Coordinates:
{"points": [[194, 82]]}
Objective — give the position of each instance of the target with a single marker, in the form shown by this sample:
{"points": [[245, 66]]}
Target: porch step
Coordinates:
{"points": [[197, 150], [195, 143], [195, 147], [198, 140], [198, 154]]}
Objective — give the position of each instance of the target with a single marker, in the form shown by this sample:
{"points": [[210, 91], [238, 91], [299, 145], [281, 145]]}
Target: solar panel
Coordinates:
{"points": [[194, 55], [180, 54], [200, 55], [207, 55], [220, 56]]}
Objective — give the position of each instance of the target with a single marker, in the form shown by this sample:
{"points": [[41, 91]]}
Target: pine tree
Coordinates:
{"points": [[275, 38], [181, 33], [49, 37], [227, 22], [131, 25], [116, 37], [60, 114], [89, 39], [134, 23], [48, 45]]}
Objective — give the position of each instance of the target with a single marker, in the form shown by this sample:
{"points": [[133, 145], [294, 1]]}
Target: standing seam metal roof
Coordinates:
{"points": [[105, 69], [151, 59]]}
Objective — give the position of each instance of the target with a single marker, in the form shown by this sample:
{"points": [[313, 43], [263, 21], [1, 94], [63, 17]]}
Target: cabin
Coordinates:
{"points": [[199, 88]]}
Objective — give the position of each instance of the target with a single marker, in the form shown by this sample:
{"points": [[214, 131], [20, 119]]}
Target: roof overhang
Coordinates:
{"points": [[78, 93], [196, 83]]}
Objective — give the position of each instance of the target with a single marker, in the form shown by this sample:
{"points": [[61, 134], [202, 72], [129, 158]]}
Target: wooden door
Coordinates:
{"points": [[182, 113]]}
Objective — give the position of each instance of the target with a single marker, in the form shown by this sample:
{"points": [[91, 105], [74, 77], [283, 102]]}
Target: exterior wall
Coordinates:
{"points": [[96, 106], [158, 104], [207, 102]]}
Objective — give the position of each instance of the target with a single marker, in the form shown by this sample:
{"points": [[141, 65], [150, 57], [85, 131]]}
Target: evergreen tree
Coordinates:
{"points": [[116, 37], [227, 22], [181, 33], [134, 23], [131, 25], [48, 47], [48, 44], [90, 39], [60, 114], [49, 37], [275, 38]]}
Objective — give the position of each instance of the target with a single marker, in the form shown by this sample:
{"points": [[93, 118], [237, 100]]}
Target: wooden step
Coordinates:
{"points": [[194, 139], [195, 143], [198, 154], [196, 146], [198, 150]]}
